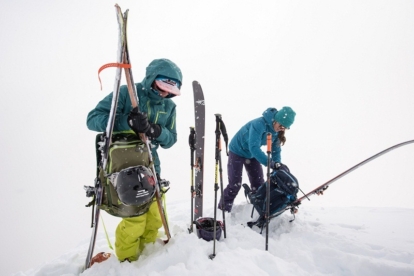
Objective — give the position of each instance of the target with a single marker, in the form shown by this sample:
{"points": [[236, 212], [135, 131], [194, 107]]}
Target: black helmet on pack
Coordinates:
{"points": [[135, 186], [205, 228]]}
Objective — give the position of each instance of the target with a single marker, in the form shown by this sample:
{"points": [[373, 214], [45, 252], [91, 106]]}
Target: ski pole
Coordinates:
{"points": [[269, 150], [216, 168], [226, 139], [191, 141], [221, 190]]}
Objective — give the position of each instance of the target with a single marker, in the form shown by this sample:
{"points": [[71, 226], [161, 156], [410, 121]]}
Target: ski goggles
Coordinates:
{"points": [[165, 84]]}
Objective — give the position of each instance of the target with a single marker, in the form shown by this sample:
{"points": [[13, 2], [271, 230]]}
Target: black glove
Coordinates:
{"points": [[275, 165], [278, 166], [154, 131], [138, 121]]}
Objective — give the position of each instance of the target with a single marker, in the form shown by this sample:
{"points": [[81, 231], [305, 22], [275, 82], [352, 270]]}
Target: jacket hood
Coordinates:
{"points": [[163, 67], [269, 115]]}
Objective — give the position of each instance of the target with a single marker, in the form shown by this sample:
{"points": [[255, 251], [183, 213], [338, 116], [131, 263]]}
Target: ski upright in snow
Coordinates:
{"points": [[199, 113]]}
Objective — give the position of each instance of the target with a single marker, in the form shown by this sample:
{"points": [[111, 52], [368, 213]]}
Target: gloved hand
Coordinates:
{"points": [[154, 132], [138, 121], [275, 165], [278, 166]]}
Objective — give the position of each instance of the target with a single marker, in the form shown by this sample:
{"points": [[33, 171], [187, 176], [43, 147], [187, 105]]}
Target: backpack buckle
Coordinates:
{"points": [[90, 191]]}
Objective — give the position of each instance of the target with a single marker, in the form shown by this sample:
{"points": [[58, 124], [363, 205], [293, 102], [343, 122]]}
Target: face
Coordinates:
{"points": [[159, 91], [278, 127], [163, 93], [165, 87]]}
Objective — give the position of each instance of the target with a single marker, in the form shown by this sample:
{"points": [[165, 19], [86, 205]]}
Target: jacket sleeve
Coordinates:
{"points": [[168, 136], [97, 119], [255, 139], [276, 149]]}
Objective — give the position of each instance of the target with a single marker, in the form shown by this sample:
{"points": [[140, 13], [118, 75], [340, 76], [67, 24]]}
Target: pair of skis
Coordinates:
{"points": [[123, 62]]}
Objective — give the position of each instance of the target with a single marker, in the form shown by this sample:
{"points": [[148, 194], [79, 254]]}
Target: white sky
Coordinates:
{"points": [[346, 68]]}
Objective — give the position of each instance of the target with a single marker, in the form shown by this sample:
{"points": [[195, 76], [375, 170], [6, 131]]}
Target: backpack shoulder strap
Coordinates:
{"points": [[98, 139]]}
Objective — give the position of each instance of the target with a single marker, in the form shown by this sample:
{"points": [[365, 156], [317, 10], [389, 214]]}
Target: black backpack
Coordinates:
{"points": [[283, 191]]}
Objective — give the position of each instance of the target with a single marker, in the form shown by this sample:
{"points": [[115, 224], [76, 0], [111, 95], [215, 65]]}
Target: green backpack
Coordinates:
{"points": [[126, 151]]}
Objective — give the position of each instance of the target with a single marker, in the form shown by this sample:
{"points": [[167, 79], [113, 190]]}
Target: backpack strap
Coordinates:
{"points": [[98, 139], [106, 234]]}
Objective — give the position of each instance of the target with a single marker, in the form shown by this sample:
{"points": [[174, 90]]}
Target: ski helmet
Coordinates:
{"points": [[135, 186], [205, 228]]}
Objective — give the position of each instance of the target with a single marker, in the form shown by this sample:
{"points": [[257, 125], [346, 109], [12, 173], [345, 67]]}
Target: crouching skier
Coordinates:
{"points": [[245, 151], [157, 119]]}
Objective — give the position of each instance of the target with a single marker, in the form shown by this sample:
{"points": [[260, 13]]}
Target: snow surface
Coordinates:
{"points": [[345, 67], [320, 241]]}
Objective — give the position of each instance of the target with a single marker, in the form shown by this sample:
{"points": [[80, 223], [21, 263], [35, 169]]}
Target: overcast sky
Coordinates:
{"points": [[345, 67]]}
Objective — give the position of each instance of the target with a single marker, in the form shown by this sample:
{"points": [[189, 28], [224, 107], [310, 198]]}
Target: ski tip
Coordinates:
{"points": [[100, 257]]}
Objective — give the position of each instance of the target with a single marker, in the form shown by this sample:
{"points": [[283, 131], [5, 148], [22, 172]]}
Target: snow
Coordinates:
{"points": [[320, 241], [345, 67]]}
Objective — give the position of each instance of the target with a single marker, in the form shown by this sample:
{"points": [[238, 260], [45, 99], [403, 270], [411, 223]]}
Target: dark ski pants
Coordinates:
{"points": [[234, 171]]}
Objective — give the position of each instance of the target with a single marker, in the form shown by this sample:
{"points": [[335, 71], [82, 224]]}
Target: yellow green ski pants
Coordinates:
{"points": [[132, 234]]}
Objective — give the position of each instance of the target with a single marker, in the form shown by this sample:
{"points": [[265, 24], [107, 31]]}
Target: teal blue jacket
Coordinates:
{"points": [[160, 110], [247, 142]]}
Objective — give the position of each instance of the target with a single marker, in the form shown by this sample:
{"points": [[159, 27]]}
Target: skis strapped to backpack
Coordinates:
{"points": [[134, 101], [97, 191], [123, 62]]}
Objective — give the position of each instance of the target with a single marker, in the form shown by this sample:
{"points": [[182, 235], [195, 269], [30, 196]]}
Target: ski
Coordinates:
{"points": [[97, 190], [199, 112], [135, 103], [320, 189]]}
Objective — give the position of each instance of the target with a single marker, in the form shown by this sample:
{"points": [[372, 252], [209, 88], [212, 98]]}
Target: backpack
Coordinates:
{"points": [[283, 191], [127, 154]]}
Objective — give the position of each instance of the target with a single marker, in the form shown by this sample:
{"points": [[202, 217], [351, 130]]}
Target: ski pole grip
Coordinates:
{"points": [[269, 142], [191, 138]]}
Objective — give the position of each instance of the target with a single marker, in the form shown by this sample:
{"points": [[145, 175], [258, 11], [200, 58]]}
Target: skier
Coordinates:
{"points": [[245, 149], [156, 119]]}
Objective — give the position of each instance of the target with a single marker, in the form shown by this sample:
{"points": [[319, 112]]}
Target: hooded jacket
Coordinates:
{"points": [[252, 136], [159, 110]]}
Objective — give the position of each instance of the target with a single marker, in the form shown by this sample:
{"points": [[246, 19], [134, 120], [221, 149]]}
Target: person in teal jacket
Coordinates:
{"points": [[245, 150], [157, 119]]}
